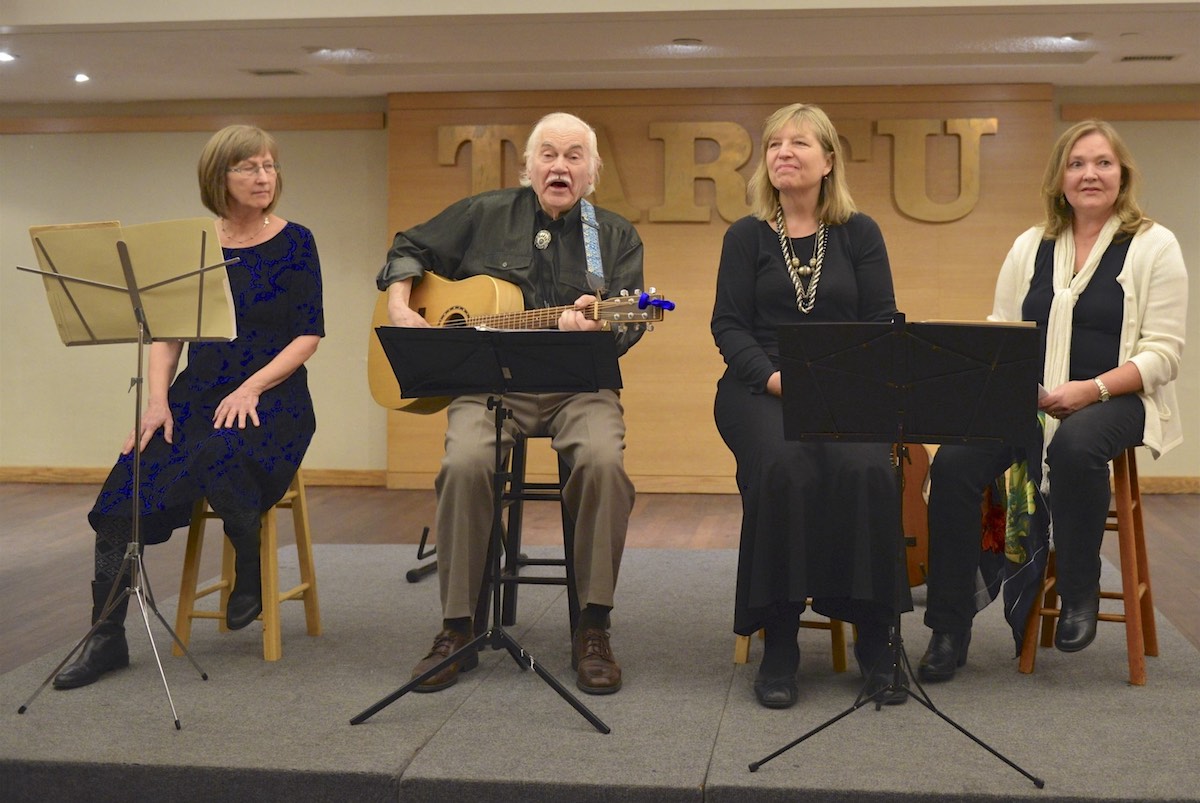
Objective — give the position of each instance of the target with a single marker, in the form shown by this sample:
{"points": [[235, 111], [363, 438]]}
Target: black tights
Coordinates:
{"points": [[113, 536], [112, 540]]}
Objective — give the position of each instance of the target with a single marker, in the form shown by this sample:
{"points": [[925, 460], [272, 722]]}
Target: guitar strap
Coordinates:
{"points": [[591, 245]]}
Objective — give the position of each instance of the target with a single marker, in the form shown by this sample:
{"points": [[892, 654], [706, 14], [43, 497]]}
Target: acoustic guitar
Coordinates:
{"points": [[484, 301]]}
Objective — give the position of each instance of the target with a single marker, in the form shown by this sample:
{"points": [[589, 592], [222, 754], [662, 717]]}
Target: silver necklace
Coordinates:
{"points": [[234, 240], [806, 295]]}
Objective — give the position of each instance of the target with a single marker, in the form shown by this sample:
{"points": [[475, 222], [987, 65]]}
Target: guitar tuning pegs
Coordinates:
{"points": [[646, 301], [652, 291], [649, 327], [624, 292]]}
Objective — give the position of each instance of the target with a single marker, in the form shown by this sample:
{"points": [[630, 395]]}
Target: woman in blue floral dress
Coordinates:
{"points": [[234, 424]]}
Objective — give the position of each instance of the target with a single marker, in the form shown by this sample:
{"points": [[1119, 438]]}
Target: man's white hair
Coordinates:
{"points": [[562, 121]]}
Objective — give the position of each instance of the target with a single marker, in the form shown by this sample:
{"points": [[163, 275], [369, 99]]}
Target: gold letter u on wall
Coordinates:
{"points": [[908, 165]]}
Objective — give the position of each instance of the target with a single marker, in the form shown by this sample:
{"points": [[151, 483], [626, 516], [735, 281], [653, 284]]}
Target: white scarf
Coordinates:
{"points": [[1068, 286]]}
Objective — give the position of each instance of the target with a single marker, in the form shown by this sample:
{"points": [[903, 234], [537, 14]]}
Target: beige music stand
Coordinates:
{"points": [[84, 269], [109, 284]]}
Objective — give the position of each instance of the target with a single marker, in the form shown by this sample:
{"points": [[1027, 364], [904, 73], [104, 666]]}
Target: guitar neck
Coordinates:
{"points": [[544, 318]]}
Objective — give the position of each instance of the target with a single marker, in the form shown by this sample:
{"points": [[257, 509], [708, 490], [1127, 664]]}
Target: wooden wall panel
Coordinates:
{"points": [[942, 269]]}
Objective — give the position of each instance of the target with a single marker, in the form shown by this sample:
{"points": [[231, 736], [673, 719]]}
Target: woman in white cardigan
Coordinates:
{"points": [[1108, 289]]}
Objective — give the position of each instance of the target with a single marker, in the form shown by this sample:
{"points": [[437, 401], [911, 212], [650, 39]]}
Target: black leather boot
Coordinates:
{"points": [[245, 600], [1077, 622], [946, 653], [775, 686], [106, 650]]}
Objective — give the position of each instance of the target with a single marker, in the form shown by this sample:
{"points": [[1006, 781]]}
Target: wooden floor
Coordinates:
{"points": [[46, 549]]}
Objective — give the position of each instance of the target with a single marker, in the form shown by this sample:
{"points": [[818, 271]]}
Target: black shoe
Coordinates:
{"points": [[880, 680], [779, 691], [1077, 623], [875, 664], [245, 601], [775, 685], [106, 650], [946, 653]]}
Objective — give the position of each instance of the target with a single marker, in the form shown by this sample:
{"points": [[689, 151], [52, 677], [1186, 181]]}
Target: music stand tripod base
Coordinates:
{"points": [[924, 383], [449, 362], [133, 566], [105, 303]]}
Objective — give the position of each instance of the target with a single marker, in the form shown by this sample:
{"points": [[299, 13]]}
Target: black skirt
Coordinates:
{"points": [[819, 519]]}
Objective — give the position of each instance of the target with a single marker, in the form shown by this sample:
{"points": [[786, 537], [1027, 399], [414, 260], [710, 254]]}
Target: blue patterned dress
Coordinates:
{"points": [[277, 297]]}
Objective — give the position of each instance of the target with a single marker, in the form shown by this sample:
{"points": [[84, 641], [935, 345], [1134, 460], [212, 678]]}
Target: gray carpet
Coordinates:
{"points": [[684, 728]]}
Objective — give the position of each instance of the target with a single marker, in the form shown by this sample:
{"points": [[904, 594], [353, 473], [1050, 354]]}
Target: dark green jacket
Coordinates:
{"points": [[492, 234]]}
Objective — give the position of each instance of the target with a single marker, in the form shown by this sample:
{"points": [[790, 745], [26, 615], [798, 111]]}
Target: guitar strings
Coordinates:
{"points": [[533, 319]]}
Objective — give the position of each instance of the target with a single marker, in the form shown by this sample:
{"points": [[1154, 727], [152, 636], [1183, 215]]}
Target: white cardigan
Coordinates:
{"points": [[1153, 325]]}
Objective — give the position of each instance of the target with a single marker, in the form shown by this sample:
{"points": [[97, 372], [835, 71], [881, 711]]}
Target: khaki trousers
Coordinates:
{"points": [[588, 432]]}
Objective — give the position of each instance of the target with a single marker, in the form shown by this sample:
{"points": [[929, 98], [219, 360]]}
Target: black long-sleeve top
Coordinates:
{"points": [[755, 294]]}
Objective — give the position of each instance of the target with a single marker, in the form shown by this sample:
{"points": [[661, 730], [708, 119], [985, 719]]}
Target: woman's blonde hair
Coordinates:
{"points": [[1059, 213], [834, 204], [226, 148]]}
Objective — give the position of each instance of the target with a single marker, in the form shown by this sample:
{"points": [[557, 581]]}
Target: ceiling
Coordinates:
{"points": [[1131, 44]]}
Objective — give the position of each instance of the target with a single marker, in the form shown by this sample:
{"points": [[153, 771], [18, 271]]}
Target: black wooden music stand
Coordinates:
{"points": [[919, 383], [454, 362]]}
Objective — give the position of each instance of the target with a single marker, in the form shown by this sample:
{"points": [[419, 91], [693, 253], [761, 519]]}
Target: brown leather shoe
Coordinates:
{"points": [[444, 644], [597, 672]]}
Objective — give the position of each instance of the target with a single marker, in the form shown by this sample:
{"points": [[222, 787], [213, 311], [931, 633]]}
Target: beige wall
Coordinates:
{"points": [[670, 377], [68, 407], [63, 411]]}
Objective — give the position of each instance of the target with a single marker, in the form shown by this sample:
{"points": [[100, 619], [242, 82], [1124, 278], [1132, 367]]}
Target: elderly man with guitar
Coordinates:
{"points": [[563, 256]]}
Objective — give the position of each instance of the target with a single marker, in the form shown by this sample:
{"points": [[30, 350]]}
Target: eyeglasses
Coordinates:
{"points": [[270, 168]]}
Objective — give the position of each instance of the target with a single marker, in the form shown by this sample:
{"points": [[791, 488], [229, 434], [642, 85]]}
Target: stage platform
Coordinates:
{"points": [[685, 726]]}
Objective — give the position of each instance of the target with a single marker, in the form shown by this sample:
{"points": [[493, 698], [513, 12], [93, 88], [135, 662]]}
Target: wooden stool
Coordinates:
{"points": [[294, 500], [837, 637], [1141, 636]]}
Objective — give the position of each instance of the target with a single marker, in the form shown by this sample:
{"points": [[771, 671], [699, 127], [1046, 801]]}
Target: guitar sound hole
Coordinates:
{"points": [[455, 316]]}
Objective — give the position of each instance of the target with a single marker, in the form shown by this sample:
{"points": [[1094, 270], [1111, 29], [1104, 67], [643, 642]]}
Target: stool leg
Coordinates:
{"points": [[510, 533], [837, 638], [190, 578], [227, 575], [1149, 628], [269, 558], [1043, 603], [304, 556], [1130, 582], [1049, 602], [741, 650]]}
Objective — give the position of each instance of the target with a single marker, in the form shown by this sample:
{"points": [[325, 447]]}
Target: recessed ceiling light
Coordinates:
{"points": [[81, 78], [682, 46], [343, 54], [6, 56], [274, 72]]}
